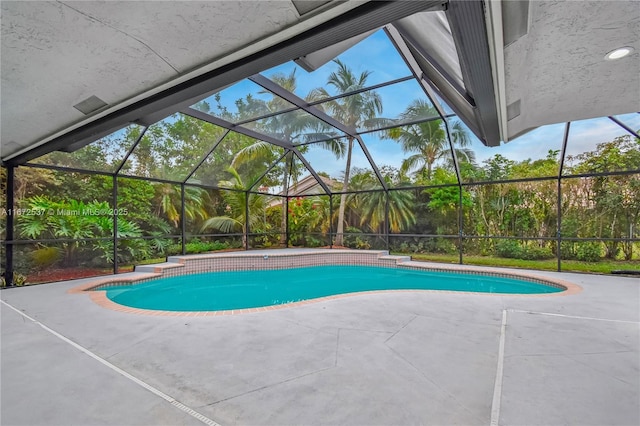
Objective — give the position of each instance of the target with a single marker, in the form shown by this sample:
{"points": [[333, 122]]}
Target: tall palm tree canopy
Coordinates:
{"points": [[427, 141], [356, 111]]}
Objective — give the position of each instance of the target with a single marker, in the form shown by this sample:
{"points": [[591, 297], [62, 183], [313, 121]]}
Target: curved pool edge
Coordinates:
{"points": [[97, 287]]}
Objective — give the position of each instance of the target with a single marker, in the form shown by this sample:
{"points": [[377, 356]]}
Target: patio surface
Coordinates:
{"points": [[375, 359]]}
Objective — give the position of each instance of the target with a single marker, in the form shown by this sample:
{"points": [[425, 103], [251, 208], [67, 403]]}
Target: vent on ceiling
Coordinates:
{"points": [[513, 110], [90, 105], [305, 6], [515, 20]]}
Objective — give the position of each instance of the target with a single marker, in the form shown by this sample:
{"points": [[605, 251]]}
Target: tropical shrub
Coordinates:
{"points": [[353, 240], [537, 253], [509, 248], [589, 251], [304, 217], [440, 245], [46, 256], [512, 249], [235, 219], [18, 280], [78, 220], [196, 246]]}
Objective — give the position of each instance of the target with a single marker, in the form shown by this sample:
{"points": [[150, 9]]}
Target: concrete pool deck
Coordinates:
{"points": [[373, 359]]}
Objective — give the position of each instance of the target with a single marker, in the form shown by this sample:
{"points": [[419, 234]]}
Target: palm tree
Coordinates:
{"points": [[356, 111], [236, 208], [428, 140], [288, 127], [371, 206], [168, 196], [170, 199]]}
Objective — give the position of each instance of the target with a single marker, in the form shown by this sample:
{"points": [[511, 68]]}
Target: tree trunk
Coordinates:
{"points": [[343, 198], [285, 191]]}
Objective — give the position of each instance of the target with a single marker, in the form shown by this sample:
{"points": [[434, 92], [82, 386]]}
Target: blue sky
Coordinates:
{"points": [[584, 135]]}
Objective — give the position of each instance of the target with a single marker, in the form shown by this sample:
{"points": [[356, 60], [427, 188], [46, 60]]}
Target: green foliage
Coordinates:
{"points": [[424, 245], [196, 246], [361, 110], [311, 241], [603, 267], [442, 245], [304, 217], [605, 206], [589, 251], [446, 199], [170, 202], [371, 207], [238, 203], [105, 154], [568, 250], [359, 243], [622, 153], [46, 256], [353, 240], [18, 280], [498, 168], [78, 220], [427, 141], [509, 248], [515, 250], [60, 219]]}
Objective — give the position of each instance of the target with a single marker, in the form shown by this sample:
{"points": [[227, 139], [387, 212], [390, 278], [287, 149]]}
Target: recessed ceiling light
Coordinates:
{"points": [[618, 53]]}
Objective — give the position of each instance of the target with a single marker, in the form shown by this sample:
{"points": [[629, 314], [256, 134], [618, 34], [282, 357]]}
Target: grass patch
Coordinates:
{"points": [[602, 267], [151, 261]]}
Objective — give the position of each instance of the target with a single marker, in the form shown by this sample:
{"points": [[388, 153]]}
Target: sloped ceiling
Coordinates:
{"points": [[556, 71], [57, 54]]}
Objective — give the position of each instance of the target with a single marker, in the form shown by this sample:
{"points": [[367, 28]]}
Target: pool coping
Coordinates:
{"points": [[98, 294]]}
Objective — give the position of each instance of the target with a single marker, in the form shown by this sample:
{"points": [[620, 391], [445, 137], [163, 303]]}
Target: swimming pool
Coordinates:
{"points": [[231, 290]]}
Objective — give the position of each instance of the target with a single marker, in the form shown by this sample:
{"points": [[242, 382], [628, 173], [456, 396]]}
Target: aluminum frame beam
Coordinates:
{"points": [[332, 98], [280, 91], [234, 127], [368, 16], [312, 171], [319, 114], [201, 162], [253, 184], [624, 126], [469, 31], [253, 134], [402, 48]]}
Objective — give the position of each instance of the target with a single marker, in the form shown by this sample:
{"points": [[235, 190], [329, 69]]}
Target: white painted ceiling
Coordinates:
{"points": [[557, 69], [57, 54]]}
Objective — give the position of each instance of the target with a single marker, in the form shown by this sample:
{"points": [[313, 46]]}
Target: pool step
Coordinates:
{"points": [[396, 259], [158, 268]]}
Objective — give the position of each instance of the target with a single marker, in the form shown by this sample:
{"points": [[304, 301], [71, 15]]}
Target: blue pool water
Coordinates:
{"points": [[213, 291]]}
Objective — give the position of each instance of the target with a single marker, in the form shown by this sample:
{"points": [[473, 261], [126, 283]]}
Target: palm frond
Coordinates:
{"points": [[412, 162], [223, 224], [257, 150]]}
